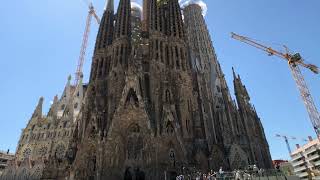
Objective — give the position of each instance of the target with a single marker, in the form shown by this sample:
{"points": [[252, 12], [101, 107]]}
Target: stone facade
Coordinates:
{"points": [[234, 126], [46, 138], [5, 157], [157, 104]]}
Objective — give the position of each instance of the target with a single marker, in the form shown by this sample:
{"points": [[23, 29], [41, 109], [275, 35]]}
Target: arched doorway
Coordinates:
{"points": [[139, 174], [127, 174], [172, 175]]}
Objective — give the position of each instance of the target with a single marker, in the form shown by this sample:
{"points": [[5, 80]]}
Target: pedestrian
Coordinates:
{"points": [[246, 176], [260, 172], [180, 177], [221, 172], [204, 176], [198, 176], [255, 170], [214, 175], [238, 175]]}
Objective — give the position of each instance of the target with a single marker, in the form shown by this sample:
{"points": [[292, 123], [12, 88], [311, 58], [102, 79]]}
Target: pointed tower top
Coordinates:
{"points": [[234, 74], [79, 87], [109, 6], [105, 33], [68, 82], [55, 99], [122, 25], [53, 108], [38, 111], [67, 88], [80, 80]]}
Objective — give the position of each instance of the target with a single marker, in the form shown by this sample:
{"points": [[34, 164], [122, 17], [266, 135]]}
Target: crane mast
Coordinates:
{"points": [[84, 44], [294, 61], [286, 140]]}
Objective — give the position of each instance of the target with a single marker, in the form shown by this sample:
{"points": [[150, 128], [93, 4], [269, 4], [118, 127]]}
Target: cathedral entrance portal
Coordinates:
{"points": [[139, 174], [136, 175], [127, 174], [172, 175]]}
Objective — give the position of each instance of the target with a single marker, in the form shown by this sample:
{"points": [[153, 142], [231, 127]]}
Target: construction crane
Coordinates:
{"points": [[294, 61], [309, 165], [286, 139], [305, 163], [84, 44]]}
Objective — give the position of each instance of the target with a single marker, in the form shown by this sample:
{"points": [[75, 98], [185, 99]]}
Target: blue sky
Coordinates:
{"points": [[40, 43]]}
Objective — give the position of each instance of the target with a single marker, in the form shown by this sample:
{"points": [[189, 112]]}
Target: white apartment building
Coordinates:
{"points": [[306, 160]]}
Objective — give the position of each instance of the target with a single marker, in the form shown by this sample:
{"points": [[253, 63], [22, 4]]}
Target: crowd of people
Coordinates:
{"points": [[248, 174]]}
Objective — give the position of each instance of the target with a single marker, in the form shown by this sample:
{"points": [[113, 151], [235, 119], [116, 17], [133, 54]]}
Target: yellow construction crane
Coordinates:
{"points": [[294, 61]]}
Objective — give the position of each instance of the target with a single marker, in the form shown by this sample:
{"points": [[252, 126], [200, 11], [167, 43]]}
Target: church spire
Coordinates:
{"points": [[38, 111], [240, 90], [234, 74], [150, 11], [67, 89], [110, 6], [123, 24], [53, 109], [176, 26], [105, 34]]}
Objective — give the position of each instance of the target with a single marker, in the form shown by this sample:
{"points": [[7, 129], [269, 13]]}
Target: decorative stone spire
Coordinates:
{"points": [[234, 74], [105, 32], [123, 24], [80, 80], [38, 111], [150, 14], [145, 15], [110, 6], [241, 92], [176, 25], [236, 82], [55, 99], [67, 89], [53, 109], [77, 98]]}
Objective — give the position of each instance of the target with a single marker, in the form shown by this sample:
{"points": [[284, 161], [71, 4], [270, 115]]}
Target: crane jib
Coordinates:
{"points": [[293, 61]]}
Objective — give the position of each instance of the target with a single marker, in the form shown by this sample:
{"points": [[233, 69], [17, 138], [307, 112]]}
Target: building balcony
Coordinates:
{"points": [[311, 149], [303, 175], [297, 163], [317, 163], [295, 157], [298, 169], [312, 157]]}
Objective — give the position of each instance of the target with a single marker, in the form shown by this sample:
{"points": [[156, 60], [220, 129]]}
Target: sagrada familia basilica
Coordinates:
{"points": [[156, 104]]}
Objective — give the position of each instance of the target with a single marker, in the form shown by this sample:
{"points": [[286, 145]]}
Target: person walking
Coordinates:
{"points": [[221, 172], [255, 170], [180, 177], [238, 175]]}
